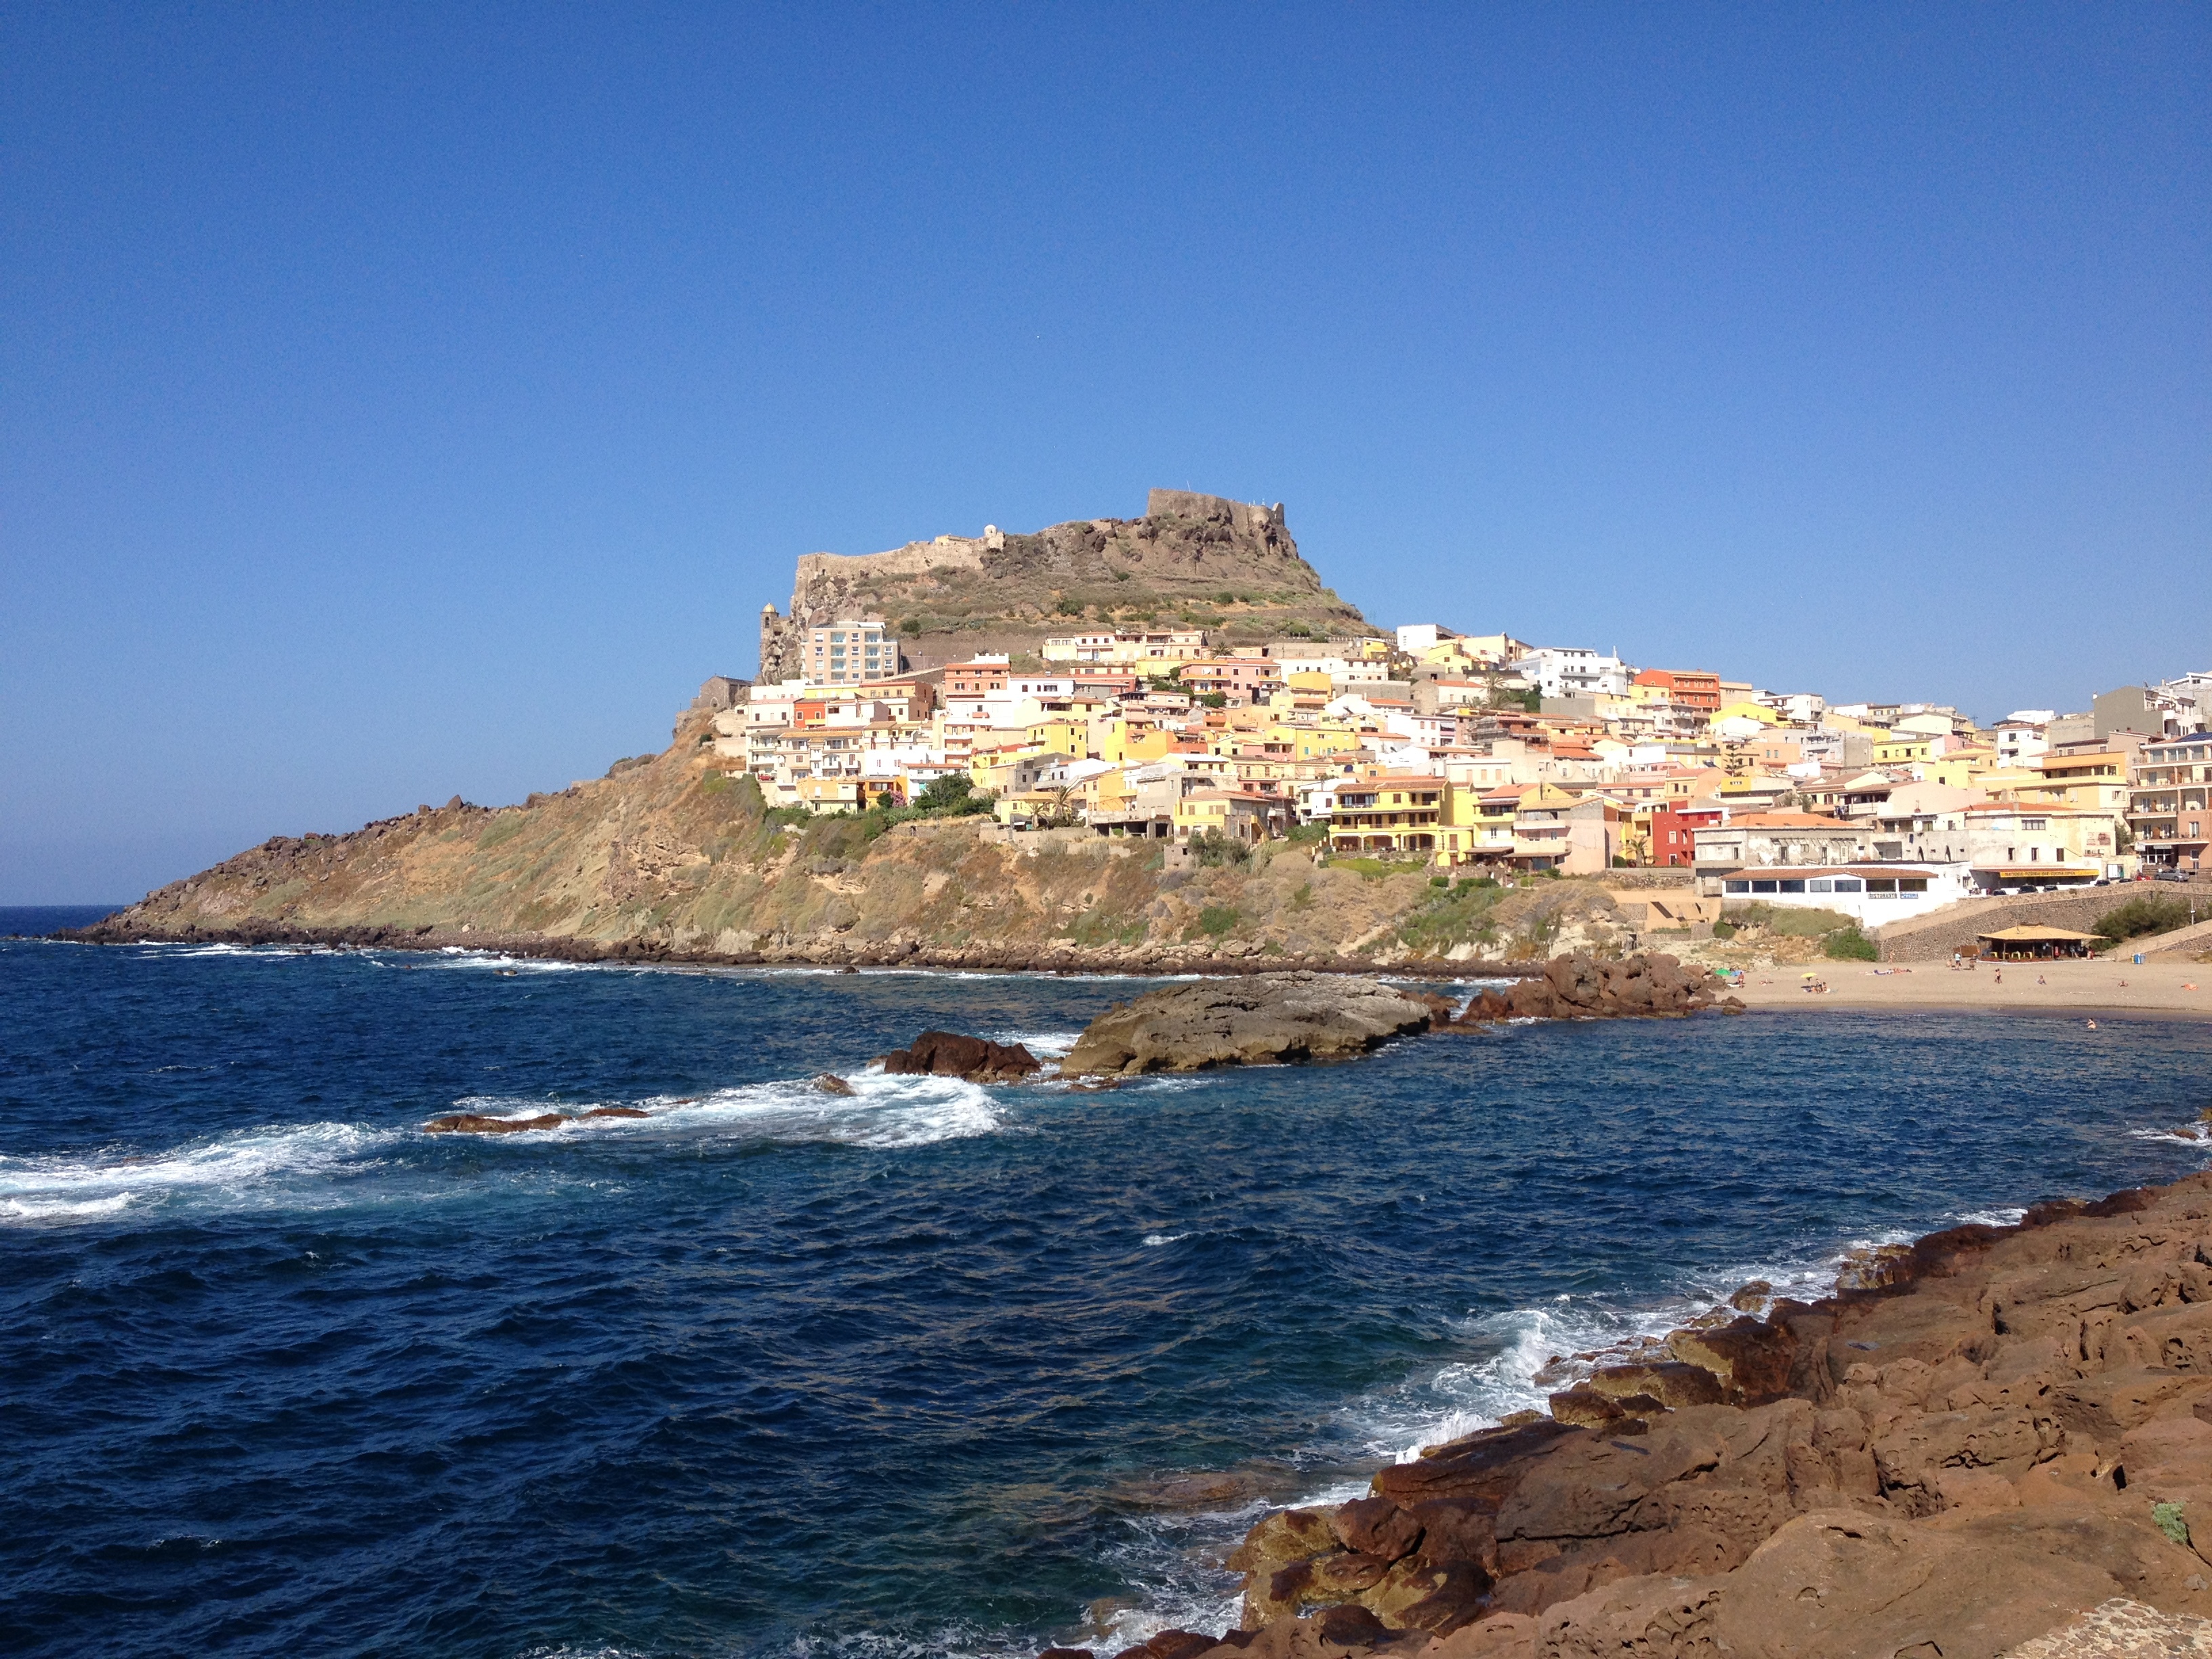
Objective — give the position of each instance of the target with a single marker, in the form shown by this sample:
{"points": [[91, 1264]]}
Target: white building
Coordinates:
{"points": [[2020, 739], [1416, 637], [1572, 672], [1871, 894]]}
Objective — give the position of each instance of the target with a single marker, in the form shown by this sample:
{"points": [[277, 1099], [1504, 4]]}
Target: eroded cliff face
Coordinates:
{"points": [[669, 853], [1192, 560]]}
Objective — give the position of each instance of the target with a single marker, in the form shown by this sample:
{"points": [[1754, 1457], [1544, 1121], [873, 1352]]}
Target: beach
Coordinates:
{"points": [[2164, 988]]}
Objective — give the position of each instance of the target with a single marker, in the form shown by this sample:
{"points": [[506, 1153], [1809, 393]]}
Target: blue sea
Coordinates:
{"points": [[935, 1369]]}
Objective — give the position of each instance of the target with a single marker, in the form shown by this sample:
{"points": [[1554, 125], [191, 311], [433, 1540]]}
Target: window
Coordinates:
{"points": [[1823, 884], [1762, 887], [1793, 886], [1850, 884]]}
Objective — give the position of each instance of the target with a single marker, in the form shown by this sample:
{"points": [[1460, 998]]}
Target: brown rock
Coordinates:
{"points": [[1262, 1019], [1751, 1358], [1376, 1527], [618, 1111], [476, 1123], [830, 1084], [1671, 1383], [946, 1054]]}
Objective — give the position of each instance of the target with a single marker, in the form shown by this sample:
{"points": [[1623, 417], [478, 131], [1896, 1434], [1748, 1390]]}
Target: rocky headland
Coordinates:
{"points": [[668, 859], [1998, 1441]]}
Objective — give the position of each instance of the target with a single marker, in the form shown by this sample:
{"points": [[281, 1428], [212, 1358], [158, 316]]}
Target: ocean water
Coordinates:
{"points": [[932, 1369], [36, 921]]}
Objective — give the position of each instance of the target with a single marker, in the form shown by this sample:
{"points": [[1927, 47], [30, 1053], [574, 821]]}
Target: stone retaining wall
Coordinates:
{"points": [[1955, 928]]}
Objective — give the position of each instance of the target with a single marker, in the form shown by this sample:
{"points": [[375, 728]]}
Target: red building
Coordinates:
{"points": [[1674, 831], [1690, 688]]}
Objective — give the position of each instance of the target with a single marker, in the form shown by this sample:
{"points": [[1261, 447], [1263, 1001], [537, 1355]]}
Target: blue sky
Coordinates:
{"points": [[397, 403]]}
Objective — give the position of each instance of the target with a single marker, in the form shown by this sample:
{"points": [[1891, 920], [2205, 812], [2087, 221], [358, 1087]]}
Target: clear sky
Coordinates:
{"points": [[403, 402]]}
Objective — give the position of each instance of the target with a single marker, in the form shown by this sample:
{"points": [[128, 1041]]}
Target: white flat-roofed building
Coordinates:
{"points": [[1573, 671], [1871, 894]]}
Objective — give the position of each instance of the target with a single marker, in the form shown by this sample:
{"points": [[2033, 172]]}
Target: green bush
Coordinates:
{"points": [[1792, 920], [1724, 930], [1849, 945], [1307, 834], [1439, 881], [1452, 915], [1214, 849], [954, 789], [2146, 912], [1215, 921]]}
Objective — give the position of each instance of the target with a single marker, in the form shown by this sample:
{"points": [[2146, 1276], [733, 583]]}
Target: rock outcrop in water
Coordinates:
{"points": [[478, 1123], [947, 1054], [1267, 1019], [1580, 987], [1996, 1434]]}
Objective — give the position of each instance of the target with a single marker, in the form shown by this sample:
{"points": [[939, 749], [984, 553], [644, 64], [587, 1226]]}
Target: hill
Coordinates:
{"points": [[668, 856], [1193, 561]]}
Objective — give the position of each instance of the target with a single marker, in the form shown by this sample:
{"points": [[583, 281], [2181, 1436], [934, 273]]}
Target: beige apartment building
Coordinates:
{"points": [[2170, 800]]}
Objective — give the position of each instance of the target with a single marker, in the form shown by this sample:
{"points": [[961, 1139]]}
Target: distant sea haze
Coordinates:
{"points": [[774, 1371], [36, 921]]}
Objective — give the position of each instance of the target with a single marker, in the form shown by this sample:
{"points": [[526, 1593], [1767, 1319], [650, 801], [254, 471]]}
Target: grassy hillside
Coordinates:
{"points": [[670, 851]]}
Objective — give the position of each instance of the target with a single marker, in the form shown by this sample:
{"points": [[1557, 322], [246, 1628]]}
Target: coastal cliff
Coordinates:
{"points": [[1993, 1435], [667, 856]]}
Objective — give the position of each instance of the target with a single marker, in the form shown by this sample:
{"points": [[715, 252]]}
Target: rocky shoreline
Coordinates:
{"points": [[1980, 1439], [1133, 960]]}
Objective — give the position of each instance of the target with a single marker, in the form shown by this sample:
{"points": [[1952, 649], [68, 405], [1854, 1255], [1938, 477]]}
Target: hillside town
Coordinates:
{"points": [[1484, 752]]}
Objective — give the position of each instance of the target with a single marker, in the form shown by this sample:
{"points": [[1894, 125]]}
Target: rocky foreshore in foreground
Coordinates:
{"points": [[1998, 1441]]}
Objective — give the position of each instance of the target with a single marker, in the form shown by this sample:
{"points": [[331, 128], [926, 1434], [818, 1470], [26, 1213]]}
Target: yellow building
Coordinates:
{"points": [[1896, 748], [1960, 769], [1121, 743]]}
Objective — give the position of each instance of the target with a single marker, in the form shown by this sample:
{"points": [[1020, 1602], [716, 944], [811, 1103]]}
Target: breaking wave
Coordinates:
{"points": [[882, 1112], [254, 1166]]}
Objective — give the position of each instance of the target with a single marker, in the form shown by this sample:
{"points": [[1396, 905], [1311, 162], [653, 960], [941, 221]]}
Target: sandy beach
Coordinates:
{"points": [[2167, 988]]}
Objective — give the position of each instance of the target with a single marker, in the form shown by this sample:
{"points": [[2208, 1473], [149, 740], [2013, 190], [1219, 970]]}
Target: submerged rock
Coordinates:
{"points": [[476, 1123], [1248, 1022], [947, 1054], [830, 1084]]}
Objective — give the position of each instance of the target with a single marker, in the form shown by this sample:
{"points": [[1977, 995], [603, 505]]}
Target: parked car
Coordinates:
{"points": [[2170, 875]]}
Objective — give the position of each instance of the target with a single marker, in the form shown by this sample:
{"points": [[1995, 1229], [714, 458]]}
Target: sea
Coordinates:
{"points": [[930, 1369]]}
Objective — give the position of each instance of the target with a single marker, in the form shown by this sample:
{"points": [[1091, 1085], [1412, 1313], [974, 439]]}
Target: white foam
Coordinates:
{"points": [[1045, 1045], [239, 1165], [458, 955], [2198, 1135], [882, 1112], [60, 1209], [1156, 1239]]}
